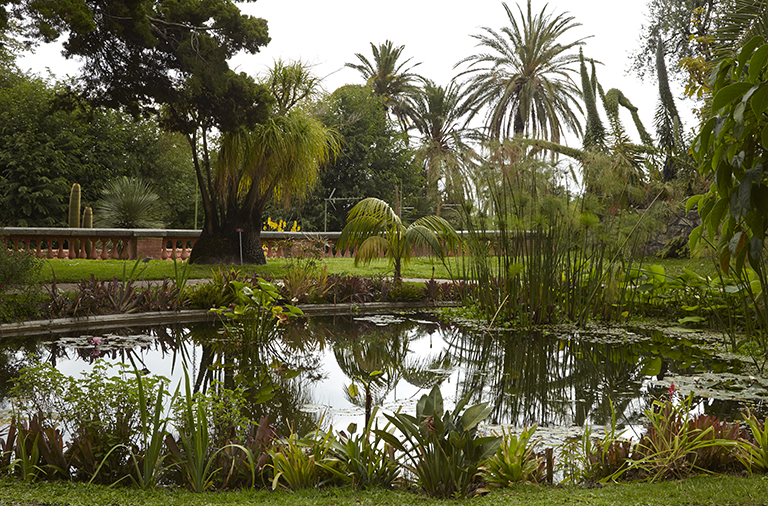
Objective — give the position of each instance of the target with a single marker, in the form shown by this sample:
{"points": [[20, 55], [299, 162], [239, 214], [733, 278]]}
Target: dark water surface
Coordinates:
{"points": [[528, 377]]}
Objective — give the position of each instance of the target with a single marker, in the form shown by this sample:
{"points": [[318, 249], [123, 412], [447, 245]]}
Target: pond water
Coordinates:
{"points": [[558, 380]]}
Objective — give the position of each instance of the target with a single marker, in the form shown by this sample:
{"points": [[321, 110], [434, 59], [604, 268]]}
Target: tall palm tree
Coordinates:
{"points": [[389, 78], [437, 116], [523, 81], [278, 161], [373, 229]]}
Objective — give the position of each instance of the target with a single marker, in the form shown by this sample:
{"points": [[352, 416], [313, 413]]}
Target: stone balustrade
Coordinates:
{"points": [[130, 244]]}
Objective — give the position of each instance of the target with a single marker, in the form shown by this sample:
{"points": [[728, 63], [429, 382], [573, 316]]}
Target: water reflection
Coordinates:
{"points": [[303, 374]]}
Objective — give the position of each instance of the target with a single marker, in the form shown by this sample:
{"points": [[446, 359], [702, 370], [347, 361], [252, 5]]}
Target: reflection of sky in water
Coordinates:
{"points": [[526, 378], [330, 397]]}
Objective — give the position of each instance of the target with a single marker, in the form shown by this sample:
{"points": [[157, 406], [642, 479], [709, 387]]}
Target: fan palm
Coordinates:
{"points": [[524, 80], [129, 203], [389, 78], [374, 229], [436, 113]]}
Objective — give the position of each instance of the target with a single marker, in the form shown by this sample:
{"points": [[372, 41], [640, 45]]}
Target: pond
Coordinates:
{"points": [[557, 379]]}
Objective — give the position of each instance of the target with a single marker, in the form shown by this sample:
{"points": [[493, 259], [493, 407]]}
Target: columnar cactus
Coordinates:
{"points": [[74, 206]]}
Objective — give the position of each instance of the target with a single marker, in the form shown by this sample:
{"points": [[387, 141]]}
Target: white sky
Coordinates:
{"points": [[435, 33]]}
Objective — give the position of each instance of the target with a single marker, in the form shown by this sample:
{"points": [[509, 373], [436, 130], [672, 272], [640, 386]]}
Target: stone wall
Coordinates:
{"points": [[672, 240]]}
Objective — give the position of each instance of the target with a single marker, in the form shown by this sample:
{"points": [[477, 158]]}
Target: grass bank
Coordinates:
{"points": [[72, 271], [702, 490]]}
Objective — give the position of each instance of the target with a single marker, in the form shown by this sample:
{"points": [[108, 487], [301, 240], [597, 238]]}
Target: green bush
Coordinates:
{"points": [[20, 292]]}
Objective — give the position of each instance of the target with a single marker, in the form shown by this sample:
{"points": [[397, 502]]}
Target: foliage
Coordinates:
{"points": [[128, 203], [405, 292], [366, 463], [442, 448], [589, 459], [755, 455], [256, 312], [149, 463], [524, 82], [732, 147], [20, 296], [514, 461], [673, 442], [307, 462], [683, 27], [99, 411], [115, 297], [374, 160], [168, 58], [373, 228], [195, 458], [443, 150], [389, 78], [276, 161], [48, 143]]}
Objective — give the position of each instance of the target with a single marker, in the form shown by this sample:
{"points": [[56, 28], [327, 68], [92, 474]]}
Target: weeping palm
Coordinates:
{"points": [[374, 229], [388, 78], [436, 113], [524, 81], [278, 161]]}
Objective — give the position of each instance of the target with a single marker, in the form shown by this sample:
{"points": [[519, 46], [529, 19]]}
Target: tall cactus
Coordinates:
{"points": [[74, 206], [74, 218], [88, 223]]}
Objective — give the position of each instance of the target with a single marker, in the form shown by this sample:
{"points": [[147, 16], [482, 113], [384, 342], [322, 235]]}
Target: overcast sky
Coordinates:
{"points": [[437, 33]]}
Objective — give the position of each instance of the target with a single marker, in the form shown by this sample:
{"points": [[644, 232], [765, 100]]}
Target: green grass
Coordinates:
{"points": [[694, 491], [71, 271]]}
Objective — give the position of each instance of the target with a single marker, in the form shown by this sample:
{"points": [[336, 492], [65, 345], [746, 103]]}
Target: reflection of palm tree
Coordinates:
{"points": [[426, 372], [379, 350], [531, 378], [388, 78], [524, 80]]}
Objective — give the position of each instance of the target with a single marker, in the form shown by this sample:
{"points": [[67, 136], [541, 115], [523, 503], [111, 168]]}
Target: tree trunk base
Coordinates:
{"points": [[220, 249]]}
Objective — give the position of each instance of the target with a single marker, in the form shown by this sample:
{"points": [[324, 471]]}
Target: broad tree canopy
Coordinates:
{"points": [[164, 57]]}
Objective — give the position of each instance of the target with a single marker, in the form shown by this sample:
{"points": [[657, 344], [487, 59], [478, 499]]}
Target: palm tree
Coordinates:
{"points": [[374, 229], [436, 113], [388, 78], [129, 203], [278, 161], [740, 20], [524, 80]]}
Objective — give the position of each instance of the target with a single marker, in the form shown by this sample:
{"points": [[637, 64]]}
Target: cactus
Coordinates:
{"points": [[74, 207], [74, 218], [88, 223]]}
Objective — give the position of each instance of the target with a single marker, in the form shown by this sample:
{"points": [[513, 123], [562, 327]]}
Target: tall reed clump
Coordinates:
{"points": [[541, 264]]}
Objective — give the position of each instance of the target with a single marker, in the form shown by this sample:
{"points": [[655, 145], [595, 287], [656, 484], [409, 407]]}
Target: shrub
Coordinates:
{"points": [[442, 447], [515, 460], [20, 294]]}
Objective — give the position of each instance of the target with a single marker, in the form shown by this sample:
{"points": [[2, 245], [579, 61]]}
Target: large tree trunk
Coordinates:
{"points": [[223, 247]]}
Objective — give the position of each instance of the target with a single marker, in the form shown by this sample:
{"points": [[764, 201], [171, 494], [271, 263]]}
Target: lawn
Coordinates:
{"points": [[714, 490], [71, 271]]}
